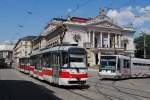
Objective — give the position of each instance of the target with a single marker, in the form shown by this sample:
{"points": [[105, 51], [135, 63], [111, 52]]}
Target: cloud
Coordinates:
{"points": [[138, 16], [146, 30], [128, 15], [122, 17], [144, 9]]}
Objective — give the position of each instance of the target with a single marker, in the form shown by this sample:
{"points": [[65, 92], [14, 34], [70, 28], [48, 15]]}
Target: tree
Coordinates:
{"points": [[139, 45]]}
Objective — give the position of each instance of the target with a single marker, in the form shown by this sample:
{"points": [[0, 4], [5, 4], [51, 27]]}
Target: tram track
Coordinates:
{"points": [[85, 97], [107, 96], [123, 88], [128, 93], [119, 90]]}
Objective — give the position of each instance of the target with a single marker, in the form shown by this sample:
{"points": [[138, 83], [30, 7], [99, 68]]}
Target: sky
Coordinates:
{"points": [[20, 18]]}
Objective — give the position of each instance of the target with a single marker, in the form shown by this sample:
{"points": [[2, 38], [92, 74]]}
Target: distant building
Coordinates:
{"points": [[99, 35], [6, 53], [23, 48]]}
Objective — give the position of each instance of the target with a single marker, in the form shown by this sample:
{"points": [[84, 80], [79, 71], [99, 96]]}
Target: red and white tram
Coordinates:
{"points": [[24, 65], [62, 65], [119, 66]]}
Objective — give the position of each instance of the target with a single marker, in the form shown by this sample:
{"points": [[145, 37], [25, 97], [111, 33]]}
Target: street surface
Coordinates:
{"points": [[18, 86]]}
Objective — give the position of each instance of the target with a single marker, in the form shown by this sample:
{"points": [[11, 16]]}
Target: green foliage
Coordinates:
{"points": [[139, 44]]}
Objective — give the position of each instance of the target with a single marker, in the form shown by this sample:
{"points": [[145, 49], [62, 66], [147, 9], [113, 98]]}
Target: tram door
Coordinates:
{"points": [[55, 67], [125, 68]]}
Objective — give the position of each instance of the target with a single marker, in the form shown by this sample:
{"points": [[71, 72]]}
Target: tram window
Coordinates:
{"points": [[45, 60], [64, 58], [108, 57], [140, 64], [52, 58], [59, 60], [76, 60], [56, 59], [118, 64], [76, 51], [49, 60], [126, 63]]}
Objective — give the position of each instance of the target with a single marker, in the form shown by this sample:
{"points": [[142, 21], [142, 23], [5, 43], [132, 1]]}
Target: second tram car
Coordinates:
{"points": [[119, 66], [24, 65], [62, 65]]}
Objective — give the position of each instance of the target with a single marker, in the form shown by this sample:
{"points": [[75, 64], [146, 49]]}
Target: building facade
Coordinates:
{"points": [[6, 53], [99, 35], [22, 48]]}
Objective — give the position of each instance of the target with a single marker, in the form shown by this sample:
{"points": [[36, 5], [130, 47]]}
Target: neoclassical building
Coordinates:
{"points": [[22, 48], [99, 35]]}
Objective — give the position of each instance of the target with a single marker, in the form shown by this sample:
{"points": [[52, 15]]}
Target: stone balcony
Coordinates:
{"points": [[87, 45], [103, 48]]}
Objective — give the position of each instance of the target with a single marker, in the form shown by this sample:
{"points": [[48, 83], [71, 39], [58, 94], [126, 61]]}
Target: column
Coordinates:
{"points": [[99, 54], [93, 39], [93, 58], [101, 37], [89, 38], [115, 40], [119, 44], [108, 41]]}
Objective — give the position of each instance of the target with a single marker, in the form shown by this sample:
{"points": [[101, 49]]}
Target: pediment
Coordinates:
{"points": [[106, 24]]}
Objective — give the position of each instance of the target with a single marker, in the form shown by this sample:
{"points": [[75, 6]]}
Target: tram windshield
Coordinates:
{"points": [[77, 58], [24, 61], [108, 63]]}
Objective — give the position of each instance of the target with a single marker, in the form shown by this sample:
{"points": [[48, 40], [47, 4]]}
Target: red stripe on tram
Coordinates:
{"points": [[68, 75], [35, 72], [64, 75], [47, 72], [40, 73], [79, 75]]}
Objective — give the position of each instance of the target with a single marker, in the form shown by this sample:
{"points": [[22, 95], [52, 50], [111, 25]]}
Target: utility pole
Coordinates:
{"points": [[144, 45], [144, 39]]}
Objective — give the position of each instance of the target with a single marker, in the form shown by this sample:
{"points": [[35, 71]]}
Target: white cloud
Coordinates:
{"points": [[146, 30], [127, 15], [138, 16], [144, 9], [122, 17]]}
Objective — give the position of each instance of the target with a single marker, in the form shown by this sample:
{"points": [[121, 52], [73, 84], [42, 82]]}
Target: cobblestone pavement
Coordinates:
{"points": [[18, 86]]}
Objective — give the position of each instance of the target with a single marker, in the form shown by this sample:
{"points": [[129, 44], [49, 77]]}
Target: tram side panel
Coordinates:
{"points": [[140, 67]]}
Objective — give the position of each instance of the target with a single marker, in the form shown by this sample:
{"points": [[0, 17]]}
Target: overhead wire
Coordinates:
{"points": [[79, 6]]}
